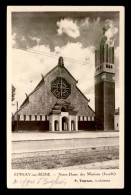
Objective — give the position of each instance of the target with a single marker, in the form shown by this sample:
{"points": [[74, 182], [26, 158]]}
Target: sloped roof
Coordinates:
{"points": [[42, 82], [82, 94], [26, 101], [37, 87]]}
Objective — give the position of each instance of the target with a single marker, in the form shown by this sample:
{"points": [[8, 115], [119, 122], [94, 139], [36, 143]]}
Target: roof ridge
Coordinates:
{"points": [[69, 73]]}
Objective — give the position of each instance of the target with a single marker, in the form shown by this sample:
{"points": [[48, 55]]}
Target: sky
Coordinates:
{"points": [[40, 38]]}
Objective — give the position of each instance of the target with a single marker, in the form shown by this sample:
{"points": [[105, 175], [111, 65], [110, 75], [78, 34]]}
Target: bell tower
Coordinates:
{"points": [[104, 85]]}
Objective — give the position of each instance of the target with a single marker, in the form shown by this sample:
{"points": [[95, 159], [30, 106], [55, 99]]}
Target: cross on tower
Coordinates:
{"points": [[104, 30]]}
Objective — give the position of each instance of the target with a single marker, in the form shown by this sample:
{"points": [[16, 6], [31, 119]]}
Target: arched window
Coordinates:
{"points": [[64, 123]]}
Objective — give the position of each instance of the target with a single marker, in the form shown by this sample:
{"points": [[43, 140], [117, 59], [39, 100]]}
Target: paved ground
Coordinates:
{"points": [[110, 164], [61, 135], [48, 150], [60, 144]]}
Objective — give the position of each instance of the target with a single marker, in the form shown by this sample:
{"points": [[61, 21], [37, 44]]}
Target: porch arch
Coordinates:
{"points": [[64, 123]]}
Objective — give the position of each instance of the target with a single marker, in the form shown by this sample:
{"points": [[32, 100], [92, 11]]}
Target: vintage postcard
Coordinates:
{"points": [[65, 89]]}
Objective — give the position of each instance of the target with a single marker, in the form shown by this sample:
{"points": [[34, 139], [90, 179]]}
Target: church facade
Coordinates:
{"points": [[56, 104]]}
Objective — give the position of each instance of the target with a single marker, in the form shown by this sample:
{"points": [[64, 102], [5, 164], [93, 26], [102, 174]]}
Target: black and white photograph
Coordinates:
{"points": [[65, 73]]}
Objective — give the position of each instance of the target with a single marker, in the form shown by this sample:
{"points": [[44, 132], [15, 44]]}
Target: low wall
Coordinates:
{"points": [[31, 125], [86, 125], [44, 125]]}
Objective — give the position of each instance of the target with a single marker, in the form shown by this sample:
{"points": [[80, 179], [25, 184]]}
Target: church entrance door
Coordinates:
{"points": [[64, 123]]}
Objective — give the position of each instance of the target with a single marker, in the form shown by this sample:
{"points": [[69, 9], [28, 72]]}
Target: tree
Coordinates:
{"points": [[13, 92]]}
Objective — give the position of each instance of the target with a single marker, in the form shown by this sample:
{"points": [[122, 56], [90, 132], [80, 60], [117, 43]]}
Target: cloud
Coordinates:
{"points": [[27, 66], [111, 32], [69, 27], [13, 40], [35, 39], [97, 21], [86, 22]]}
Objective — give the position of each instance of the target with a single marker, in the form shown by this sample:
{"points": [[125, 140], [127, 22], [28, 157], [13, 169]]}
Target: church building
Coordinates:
{"points": [[56, 104]]}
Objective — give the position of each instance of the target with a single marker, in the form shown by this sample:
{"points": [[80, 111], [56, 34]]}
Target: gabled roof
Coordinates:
{"points": [[42, 82], [25, 102], [69, 73], [82, 93], [91, 109]]}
